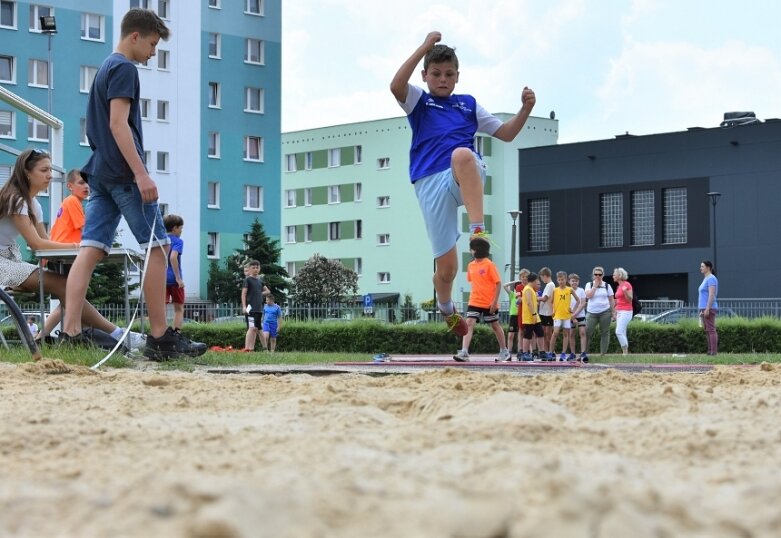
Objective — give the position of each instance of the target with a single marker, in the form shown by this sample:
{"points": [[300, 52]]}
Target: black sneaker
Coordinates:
{"points": [[199, 345], [171, 345], [78, 340]]}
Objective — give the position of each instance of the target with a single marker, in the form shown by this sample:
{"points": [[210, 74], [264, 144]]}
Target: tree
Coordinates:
{"points": [[224, 284], [107, 285], [261, 247], [324, 281], [408, 310]]}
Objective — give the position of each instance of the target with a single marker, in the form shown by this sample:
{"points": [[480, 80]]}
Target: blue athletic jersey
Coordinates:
{"points": [[177, 246], [439, 126], [271, 313], [116, 78]]}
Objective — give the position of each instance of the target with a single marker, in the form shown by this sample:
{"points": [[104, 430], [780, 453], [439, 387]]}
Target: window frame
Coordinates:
{"points": [[15, 16], [383, 240], [261, 51], [144, 106], [334, 195], [166, 156], [290, 235], [383, 163], [334, 157], [166, 110], [215, 94], [259, 13], [217, 46], [85, 81], [215, 135], [334, 231], [213, 240], [167, 4], [261, 100], [11, 124], [32, 69], [260, 193], [163, 53], [35, 16], [85, 27], [290, 162], [213, 187], [380, 200], [11, 67], [36, 125], [83, 140], [290, 198], [247, 140], [381, 280]]}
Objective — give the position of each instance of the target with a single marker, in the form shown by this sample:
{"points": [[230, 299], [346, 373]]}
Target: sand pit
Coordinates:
{"points": [[445, 453]]}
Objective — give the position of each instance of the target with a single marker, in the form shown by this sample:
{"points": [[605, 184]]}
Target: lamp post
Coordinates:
{"points": [[714, 198], [49, 27], [513, 215]]}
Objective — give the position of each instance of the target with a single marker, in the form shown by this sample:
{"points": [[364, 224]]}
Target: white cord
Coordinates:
{"points": [[135, 312]]}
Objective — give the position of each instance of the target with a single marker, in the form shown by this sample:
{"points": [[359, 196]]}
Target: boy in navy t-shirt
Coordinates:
{"points": [[121, 186], [444, 167]]}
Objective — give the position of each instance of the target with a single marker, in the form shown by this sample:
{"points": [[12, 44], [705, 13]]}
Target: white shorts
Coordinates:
{"points": [[562, 323], [439, 197]]}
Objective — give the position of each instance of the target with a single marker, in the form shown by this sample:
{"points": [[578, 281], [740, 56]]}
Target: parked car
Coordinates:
{"points": [[677, 314]]}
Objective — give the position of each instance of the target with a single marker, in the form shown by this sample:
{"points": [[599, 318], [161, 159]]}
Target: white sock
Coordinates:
{"points": [[117, 333], [446, 309]]}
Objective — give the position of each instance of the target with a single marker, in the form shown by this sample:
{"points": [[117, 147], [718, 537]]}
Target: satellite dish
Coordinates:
{"points": [[552, 114]]}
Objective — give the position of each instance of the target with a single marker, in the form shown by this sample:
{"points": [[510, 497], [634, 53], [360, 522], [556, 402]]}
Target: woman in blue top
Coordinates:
{"points": [[708, 305]]}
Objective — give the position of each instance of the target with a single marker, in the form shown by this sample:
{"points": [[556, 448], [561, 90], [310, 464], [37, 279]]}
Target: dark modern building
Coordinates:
{"points": [[645, 203]]}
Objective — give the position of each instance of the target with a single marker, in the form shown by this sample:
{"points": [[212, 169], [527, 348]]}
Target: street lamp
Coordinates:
{"points": [[714, 198], [513, 215], [49, 27]]}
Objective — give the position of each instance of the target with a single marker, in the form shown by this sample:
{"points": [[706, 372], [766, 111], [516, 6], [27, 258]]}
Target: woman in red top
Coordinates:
{"points": [[623, 312]]}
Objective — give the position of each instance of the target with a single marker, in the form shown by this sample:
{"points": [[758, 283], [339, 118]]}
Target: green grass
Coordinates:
{"points": [[89, 357]]}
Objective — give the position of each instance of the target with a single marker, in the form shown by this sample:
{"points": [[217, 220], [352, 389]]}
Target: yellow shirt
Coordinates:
{"points": [[530, 317], [561, 303]]}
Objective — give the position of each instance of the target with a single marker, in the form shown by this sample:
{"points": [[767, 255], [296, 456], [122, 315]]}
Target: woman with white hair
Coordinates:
{"points": [[623, 311]]}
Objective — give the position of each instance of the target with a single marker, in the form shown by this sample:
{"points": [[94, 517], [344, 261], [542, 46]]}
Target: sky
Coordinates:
{"points": [[605, 67]]}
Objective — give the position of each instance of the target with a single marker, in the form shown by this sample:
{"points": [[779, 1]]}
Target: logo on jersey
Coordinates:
{"points": [[431, 102]]}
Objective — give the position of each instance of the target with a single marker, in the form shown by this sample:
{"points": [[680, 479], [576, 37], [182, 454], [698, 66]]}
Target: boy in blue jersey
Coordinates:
{"points": [[120, 186], [272, 322], [444, 167]]}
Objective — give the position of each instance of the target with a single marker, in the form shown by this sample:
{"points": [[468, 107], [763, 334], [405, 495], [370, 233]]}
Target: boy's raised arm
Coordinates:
{"points": [[398, 85], [510, 129]]}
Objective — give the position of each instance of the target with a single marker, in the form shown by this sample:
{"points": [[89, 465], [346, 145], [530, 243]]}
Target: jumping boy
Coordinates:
{"points": [[252, 300], [444, 167], [121, 186], [484, 299]]}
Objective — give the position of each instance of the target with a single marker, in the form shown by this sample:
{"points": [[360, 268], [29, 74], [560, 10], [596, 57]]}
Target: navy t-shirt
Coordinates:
{"points": [[117, 77]]}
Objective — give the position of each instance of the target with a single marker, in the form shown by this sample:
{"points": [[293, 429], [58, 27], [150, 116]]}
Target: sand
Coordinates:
{"points": [[440, 453]]}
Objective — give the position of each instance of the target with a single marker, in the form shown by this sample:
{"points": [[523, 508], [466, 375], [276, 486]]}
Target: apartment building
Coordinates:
{"points": [[210, 104]]}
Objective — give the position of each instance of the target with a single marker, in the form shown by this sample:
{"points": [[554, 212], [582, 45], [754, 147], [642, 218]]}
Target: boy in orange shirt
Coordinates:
{"points": [[70, 217], [484, 299]]}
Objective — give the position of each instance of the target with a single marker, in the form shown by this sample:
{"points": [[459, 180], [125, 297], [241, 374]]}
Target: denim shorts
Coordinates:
{"points": [[108, 202], [439, 197]]}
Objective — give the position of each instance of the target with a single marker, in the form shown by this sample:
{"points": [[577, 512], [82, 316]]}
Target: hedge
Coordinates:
{"points": [[736, 335]]}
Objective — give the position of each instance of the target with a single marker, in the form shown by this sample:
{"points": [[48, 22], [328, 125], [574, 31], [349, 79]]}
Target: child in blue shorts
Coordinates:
{"points": [[444, 167], [272, 322]]}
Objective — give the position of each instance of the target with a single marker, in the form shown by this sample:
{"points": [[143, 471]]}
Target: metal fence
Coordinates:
{"points": [[394, 313]]}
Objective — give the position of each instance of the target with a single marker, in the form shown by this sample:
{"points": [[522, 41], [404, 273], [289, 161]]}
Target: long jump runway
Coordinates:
{"points": [[405, 364]]}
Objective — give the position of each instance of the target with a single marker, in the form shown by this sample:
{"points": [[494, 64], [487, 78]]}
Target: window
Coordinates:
{"points": [[214, 94], [333, 194], [253, 198], [147, 157], [213, 195], [290, 198], [253, 7], [307, 197], [358, 192], [255, 53], [675, 217], [308, 233], [213, 245], [144, 104], [36, 12], [7, 121], [7, 69], [38, 73], [290, 267], [308, 160], [164, 9], [359, 229], [162, 110], [611, 220], [215, 4], [359, 266], [383, 163], [480, 145], [539, 225], [290, 162], [383, 278], [36, 130], [143, 4], [334, 157], [92, 27], [334, 231], [358, 154], [163, 60], [254, 100], [83, 140], [213, 151], [383, 201], [87, 77], [215, 45], [253, 148], [643, 218], [7, 14], [5, 173], [162, 161], [290, 234], [163, 209], [383, 239]]}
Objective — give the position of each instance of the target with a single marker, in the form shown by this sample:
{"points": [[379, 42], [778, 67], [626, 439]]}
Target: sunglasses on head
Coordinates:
{"points": [[36, 151]]}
